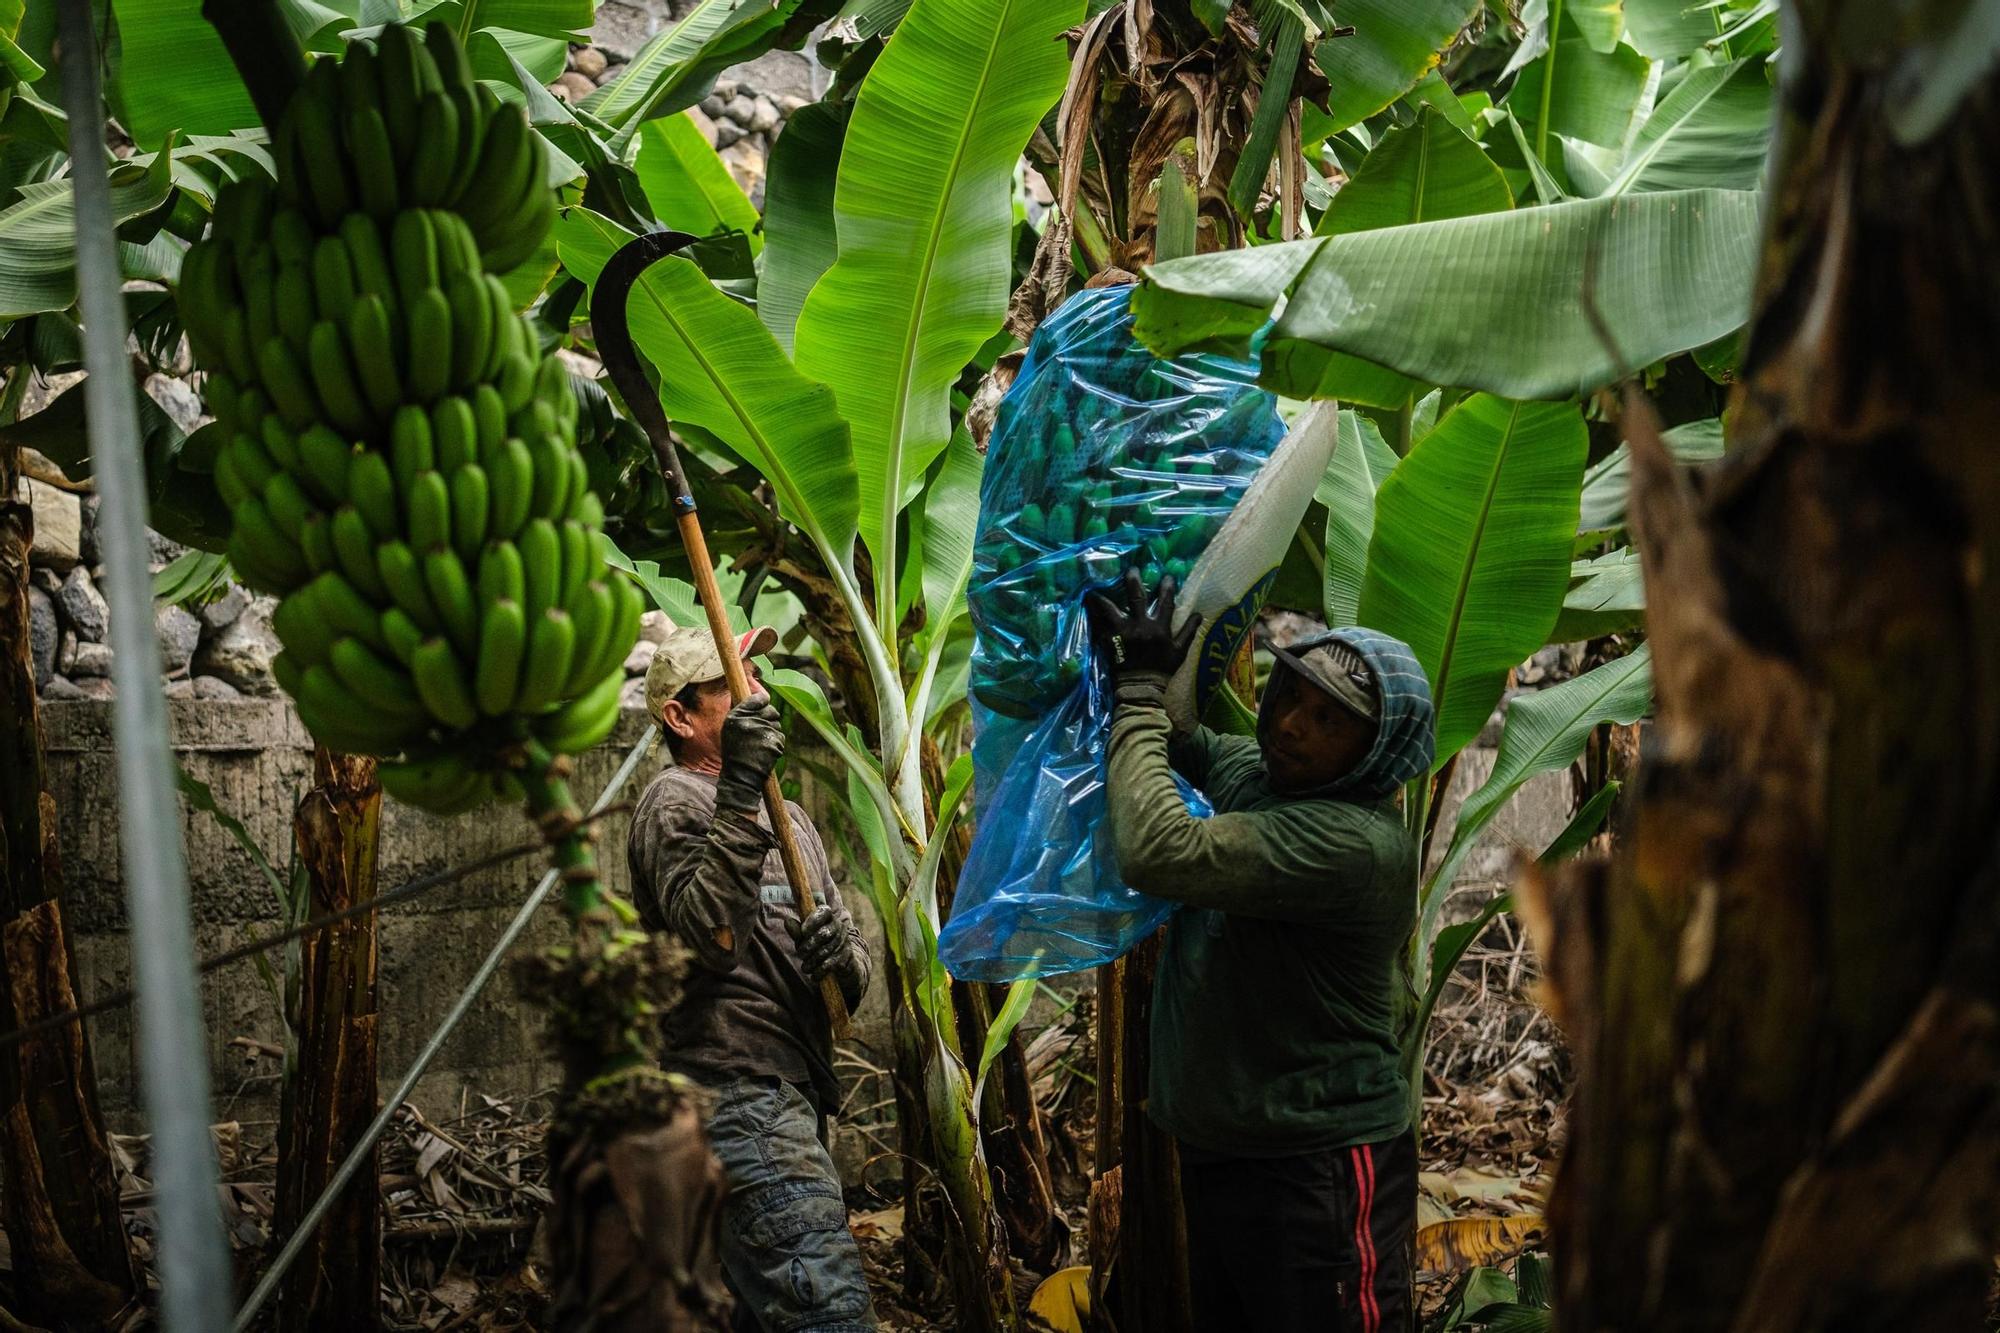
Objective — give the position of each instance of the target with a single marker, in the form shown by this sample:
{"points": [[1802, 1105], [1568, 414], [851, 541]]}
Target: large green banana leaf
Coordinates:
{"points": [[1713, 128], [1607, 595], [1607, 481], [561, 20], [1665, 29], [720, 370], [798, 215], [38, 233], [1394, 43], [1471, 551], [686, 184], [1493, 302], [922, 213], [1577, 92], [172, 72], [1361, 460], [1544, 732], [1422, 173]]}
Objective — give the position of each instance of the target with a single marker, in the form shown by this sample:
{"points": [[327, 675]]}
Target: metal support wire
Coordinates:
{"points": [[194, 1263], [360, 1153]]}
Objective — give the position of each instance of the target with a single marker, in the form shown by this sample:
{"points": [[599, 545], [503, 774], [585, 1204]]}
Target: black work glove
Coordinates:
{"points": [[1137, 641], [752, 740], [826, 945]]}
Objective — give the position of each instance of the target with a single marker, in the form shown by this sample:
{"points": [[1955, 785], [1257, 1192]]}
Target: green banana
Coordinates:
{"points": [[287, 503], [333, 280], [587, 510], [579, 560], [541, 564], [413, 252], [260, 305], [515, 380], [319, 152], [454, 70], [454, 432], [268, 560], [451, 594], [354, 547], [551, 644], [375, 170], [344, 609], [372, 488], [398, 566], [512, 473], [301, 628], [593, 612], [504, 162], [427, 511], [430, 344], [316, 542], [359, 88], [293, 301], [586, 720], [410, 450], [435, 159], [373, 274], [323, 458], [279, 442], [441, 684], [507, 332], [471, 326], [238, 351], [253, 466], [627, 606], [489, 416], [369, 338], [400, 633], [402, 89], [244, 209], [551, 477], [385, 688], [442, 784], [337, 715], [291, 239], [497, 675], [333, 378], [288, 672], [224, 398], [287, 384], [471, 504], [521, 235], [500, 576], [227, 484]]}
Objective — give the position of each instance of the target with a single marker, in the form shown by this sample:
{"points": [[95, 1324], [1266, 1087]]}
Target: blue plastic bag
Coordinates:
{"points": [[1102, 456]]}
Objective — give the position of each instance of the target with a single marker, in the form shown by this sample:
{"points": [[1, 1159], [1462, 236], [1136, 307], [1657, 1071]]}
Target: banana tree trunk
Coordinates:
{"points": [[1782, 996], [58, 1197], [330, 1093]]}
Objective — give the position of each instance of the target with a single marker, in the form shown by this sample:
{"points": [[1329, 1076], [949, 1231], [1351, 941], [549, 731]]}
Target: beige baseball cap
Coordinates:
{"points": [[687, 656]]}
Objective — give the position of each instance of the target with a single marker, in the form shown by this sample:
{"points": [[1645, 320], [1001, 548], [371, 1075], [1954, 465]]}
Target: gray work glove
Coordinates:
{"points": [[752, 740], [826, 945]]}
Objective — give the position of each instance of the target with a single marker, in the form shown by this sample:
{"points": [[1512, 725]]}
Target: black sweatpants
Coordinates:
{"points": [[1278, 1244]]}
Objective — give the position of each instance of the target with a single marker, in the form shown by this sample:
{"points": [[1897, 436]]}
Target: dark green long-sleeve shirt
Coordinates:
{"points": [[1276, 999]]}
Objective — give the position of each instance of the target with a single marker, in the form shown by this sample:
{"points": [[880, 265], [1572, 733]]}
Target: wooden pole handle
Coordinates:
{"points": [[796, 874]]}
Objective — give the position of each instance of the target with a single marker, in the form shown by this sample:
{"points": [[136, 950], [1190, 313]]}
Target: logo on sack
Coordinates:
{"points": [[1223, 637]]}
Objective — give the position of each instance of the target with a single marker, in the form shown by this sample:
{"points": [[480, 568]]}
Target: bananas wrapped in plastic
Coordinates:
{"points": [[400, 461]]}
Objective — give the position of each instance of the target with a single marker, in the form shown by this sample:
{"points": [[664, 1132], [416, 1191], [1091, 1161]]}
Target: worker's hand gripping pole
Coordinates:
{"points": [[621, 359]]}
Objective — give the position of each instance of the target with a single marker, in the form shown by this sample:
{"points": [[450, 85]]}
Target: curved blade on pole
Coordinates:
{"points": [[613, 330]]}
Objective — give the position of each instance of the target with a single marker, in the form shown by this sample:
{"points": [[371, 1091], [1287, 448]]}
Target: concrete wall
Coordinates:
{"points": [[256, 757]]}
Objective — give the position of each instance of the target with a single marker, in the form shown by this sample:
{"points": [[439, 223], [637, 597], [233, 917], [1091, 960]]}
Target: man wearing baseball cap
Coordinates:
{"points": [[1276, 1003], [751, 1026]]}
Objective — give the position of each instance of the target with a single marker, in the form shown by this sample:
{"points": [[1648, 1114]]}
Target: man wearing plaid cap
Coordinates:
{"points": [[751, 1026], [1275, 1061]]}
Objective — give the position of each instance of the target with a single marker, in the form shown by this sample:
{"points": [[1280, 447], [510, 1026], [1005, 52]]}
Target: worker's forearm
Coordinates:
{"points": [[1162, 848], [713, 897]]}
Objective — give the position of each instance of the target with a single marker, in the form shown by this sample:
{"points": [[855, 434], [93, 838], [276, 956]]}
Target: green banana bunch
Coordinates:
{"points": [[400, 457]]}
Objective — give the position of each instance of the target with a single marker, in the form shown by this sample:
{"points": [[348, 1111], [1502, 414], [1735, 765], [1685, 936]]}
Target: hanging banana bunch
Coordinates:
{"points": [[400, 458]]}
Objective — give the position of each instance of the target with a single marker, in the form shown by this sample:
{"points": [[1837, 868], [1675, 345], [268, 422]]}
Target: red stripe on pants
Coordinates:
{"points": [[1364, 1235]]}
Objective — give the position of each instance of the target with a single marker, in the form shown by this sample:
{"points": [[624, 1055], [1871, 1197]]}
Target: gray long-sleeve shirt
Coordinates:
{"points": [[749, 1008]]}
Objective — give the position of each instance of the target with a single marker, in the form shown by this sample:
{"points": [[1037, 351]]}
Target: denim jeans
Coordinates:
{"points": [[786, 1249]]}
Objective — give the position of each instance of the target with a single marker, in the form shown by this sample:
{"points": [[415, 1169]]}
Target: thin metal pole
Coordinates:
{"points": [[173, 1041], [364, 1148]]}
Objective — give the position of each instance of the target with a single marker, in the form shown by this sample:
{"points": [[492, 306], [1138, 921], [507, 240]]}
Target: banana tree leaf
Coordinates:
{"points": [[721, 370], [1492, 303], [1607, 595], [1394, 43], [686, 184], [1544, 733], [38, 233], [922, 212], [803, 695], [563, 20], [1575, 91], [1714, 128], [173, 73], [1668, 29], [540, 58], [1360, 461], [1582, 826], [1606, 482], [1470, 555], [1600, 22], [1448, 948], [1428, 171], [798, 214]]}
